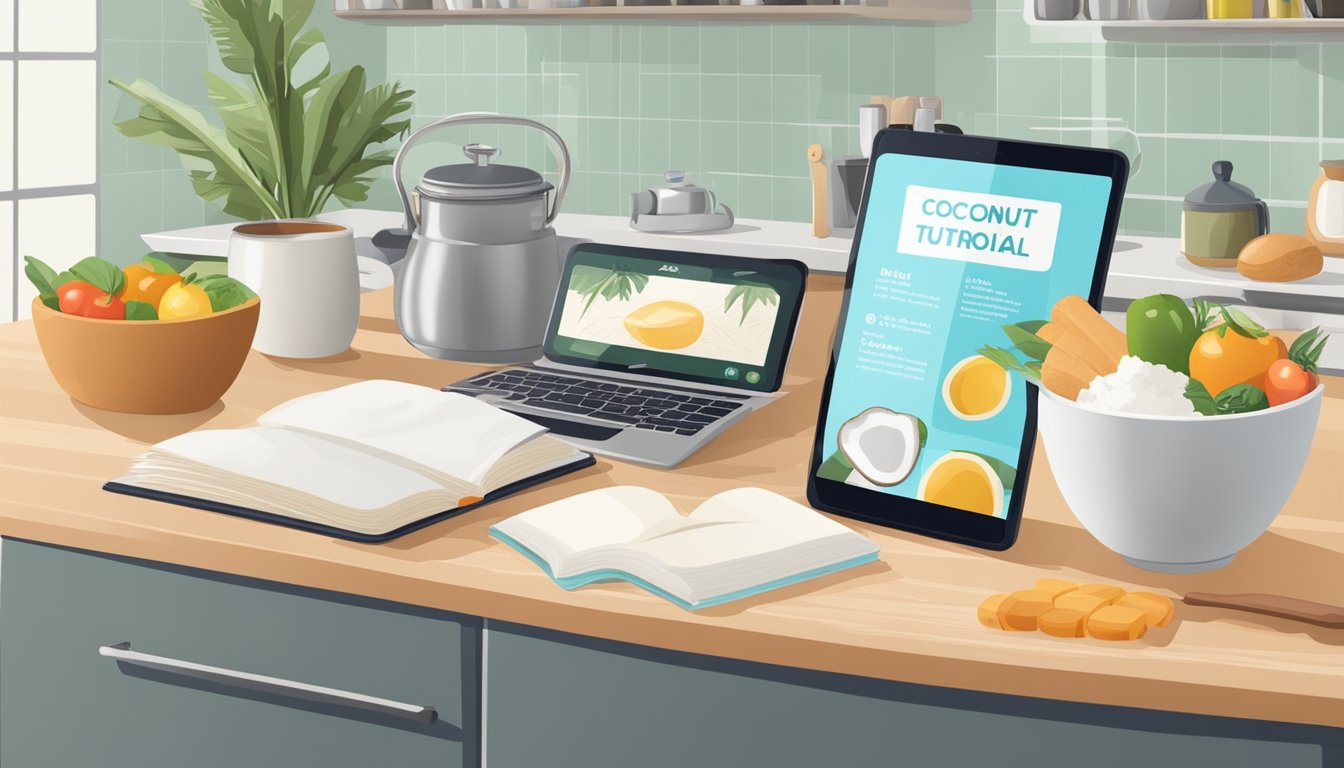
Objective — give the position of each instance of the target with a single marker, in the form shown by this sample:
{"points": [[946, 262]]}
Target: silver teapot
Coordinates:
{"points": [[483, 264], [683, 208]]}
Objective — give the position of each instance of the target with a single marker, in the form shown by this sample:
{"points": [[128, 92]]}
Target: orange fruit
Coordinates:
{"points": [[1219, 361]]}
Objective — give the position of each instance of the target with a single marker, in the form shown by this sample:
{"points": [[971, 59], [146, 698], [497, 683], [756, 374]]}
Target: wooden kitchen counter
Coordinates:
{"points": [[909, 617]]}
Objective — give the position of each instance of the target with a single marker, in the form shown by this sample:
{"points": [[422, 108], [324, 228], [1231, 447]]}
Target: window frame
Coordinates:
{"points": [[17, 194]]}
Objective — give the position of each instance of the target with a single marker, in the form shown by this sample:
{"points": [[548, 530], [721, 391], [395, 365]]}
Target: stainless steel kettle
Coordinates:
{"points": [[483, 265]]}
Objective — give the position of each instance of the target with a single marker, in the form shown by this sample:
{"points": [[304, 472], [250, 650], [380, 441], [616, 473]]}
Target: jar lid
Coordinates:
{"points": [[1221, 194], [1332, 163], [481, 179]]}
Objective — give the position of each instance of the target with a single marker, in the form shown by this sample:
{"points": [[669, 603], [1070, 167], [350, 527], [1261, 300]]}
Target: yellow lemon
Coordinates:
{"points": [[976, 388], [666, 324], [182, 301], [964, 481]]}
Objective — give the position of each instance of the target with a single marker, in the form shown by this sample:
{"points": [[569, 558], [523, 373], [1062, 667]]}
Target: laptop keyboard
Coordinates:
{"points": [[636, 407]]}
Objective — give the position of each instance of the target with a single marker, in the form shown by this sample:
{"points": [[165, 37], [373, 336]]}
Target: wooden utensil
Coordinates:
{"points": [[821, 226], [1331, 616]]}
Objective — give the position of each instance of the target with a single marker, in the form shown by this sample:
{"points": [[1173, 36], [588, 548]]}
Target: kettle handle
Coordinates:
{"points": [[1261, 218], [479, 118]]}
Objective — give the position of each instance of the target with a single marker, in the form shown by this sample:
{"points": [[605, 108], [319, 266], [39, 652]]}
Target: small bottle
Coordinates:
{"points": [[1325, 209]]}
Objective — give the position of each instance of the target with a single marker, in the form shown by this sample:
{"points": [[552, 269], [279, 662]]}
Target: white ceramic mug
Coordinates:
{"points": [[308, 280]]}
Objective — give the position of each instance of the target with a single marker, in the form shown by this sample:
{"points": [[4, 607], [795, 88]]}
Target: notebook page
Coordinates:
{"points": [[339, 474], [741, 524], [600, 518], [449, 433]]}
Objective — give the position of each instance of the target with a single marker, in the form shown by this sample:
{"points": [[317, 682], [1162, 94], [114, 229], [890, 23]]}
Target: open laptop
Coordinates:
{"points": [[650, 354]]}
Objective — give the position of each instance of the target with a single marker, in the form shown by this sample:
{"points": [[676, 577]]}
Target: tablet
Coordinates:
{"points": [[957, 237]]}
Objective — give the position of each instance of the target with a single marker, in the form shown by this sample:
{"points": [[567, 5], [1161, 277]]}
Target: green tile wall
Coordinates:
{"points": [[1274, 110], [143, 187], [737, 104], [734, 105]]}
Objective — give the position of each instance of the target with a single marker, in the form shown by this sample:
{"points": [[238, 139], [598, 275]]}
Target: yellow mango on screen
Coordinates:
{"points": [[666, 324]]}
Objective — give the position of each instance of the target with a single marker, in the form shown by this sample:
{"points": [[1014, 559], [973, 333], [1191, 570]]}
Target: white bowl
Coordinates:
{"points": [[1178, 494]]}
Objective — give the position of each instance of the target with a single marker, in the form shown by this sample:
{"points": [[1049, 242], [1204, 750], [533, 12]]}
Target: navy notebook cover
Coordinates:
{"points": [[341, 533]]}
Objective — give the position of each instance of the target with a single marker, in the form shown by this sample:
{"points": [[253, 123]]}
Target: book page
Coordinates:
{"points": [[446, 432], [588, 521], [321, 468], [741, 524]]}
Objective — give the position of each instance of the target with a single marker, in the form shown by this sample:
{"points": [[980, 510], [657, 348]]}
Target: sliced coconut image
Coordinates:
{"points": [[967, 480], [976, 389], [882, 445]]}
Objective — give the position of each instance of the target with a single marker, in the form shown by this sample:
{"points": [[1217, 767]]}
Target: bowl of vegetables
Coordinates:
{"points": [[144, 338], [1177, 441]]}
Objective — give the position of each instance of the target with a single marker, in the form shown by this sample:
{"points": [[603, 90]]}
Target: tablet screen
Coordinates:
{"points": [[951, 251]]}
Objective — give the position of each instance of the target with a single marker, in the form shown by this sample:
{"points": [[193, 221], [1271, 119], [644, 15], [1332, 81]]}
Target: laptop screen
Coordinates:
{"points": [[712, 319]]}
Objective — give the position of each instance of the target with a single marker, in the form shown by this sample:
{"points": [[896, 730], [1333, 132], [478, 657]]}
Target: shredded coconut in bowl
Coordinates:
{"points": [[1138, 386]]}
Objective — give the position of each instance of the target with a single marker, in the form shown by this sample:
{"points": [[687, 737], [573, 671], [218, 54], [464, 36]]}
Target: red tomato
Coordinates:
{"points": [[1285, 381], [80, 298]]}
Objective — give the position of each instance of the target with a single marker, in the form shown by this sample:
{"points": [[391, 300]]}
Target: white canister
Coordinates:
{"points": [[872, 119], [308, 280]]}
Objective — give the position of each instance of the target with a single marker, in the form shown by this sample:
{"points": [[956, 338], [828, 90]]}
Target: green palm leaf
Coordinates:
{"points": [[294, 135], [217, 167], [751, 295]]}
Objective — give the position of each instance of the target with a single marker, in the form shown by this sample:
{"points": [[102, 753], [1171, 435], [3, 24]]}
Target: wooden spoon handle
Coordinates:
{"points": [[1273, 605], [821, 226]]}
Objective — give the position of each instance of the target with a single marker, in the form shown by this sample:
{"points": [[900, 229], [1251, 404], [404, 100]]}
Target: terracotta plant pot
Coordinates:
{"points": [[150, 366]]}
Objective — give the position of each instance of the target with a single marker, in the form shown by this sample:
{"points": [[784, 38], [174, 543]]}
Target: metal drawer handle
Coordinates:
{"points": [[122, 652]]}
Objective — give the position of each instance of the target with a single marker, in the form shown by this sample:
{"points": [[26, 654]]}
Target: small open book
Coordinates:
{"points": [[736, 544], [367, 461]]}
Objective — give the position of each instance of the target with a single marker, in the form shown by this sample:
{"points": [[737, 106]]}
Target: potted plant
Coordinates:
{"points": [[292, 137]]}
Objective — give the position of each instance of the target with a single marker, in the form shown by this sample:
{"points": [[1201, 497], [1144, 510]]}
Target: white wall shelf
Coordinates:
{"points": [[1229, 31], [913, 11]]}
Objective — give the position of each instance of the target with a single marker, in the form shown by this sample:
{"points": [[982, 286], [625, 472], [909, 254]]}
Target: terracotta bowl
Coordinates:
{"points": [[150, 366]]}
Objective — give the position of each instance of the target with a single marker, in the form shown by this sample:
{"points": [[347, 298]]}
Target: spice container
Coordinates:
{"points": [[1325, 209]]}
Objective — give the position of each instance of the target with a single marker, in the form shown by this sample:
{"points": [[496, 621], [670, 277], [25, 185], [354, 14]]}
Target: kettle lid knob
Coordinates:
{"points": [[481, 154], [675, 177], [1222, 170]]}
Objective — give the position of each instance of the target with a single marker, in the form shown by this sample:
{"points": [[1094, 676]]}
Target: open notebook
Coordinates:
{"points": [[368, 461], [736, 544]]}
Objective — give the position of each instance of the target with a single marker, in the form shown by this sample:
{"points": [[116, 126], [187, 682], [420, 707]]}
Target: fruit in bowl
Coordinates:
{"points": [[1143, 428], [144, 339]]}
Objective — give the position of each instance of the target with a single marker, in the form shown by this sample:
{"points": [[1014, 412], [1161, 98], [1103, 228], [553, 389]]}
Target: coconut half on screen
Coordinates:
{"points": [[883, 445]]}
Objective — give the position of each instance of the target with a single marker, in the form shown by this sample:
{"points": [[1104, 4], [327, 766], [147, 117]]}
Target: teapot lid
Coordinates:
{"points": [[481, 179], [1221, 194]]}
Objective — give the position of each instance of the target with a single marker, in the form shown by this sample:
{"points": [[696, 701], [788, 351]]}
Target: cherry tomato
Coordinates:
{"points": [[144, 284], [1286, 381], [1220, 360], [80, 298]]}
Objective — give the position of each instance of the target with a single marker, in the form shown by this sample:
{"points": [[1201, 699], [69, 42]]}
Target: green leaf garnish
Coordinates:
{"points": [[1306, 349], [1026, 341], [1199, 397], [100, 273], [1205, 312], [43, 279], [1008, 361], [141, 310], [1241, 398], [1242, 323], [224, 292]]}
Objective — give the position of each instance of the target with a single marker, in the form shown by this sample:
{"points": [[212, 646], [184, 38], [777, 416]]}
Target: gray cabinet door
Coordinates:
{"points": [[558, 700], [63, 705]]}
